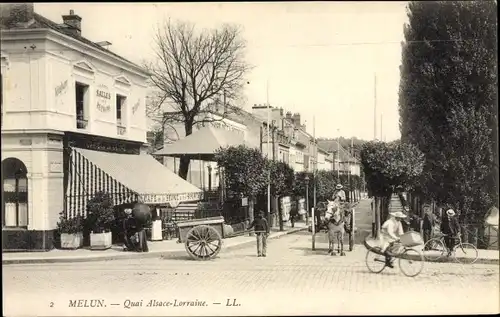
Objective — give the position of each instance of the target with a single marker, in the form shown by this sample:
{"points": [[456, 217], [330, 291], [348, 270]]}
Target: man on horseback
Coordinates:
{"points": [[339, 193]]}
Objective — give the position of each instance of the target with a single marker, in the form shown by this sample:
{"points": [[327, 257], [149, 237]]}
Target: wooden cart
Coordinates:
{"points": [[202, 237]]}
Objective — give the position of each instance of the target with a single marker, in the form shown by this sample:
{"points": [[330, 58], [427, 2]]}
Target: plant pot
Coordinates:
{"points": [[228, 231], [71, 240], [156, 231], [100, 241]]}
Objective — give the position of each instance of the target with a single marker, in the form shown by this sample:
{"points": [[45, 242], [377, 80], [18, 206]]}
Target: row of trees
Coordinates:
{"points": [[246, 172], [448, 102]]}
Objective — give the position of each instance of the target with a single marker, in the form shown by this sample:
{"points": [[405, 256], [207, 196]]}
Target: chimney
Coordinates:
{"points": [[16, 14], [74, 22], [296, 119]]}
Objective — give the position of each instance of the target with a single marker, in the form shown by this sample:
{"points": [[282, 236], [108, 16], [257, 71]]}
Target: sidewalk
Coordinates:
{"points": [[484, 256], [166, 248]]}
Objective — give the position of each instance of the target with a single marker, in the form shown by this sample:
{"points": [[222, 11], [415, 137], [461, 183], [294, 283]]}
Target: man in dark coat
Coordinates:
{"points": [[428, 223], [262, 232], [451, 228]]}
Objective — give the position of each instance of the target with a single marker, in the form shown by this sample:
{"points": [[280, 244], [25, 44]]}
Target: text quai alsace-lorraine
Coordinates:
{"points": [[156, 303]]}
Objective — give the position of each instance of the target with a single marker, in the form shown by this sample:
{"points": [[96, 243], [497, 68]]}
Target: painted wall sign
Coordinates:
{"points": [[61, 88], [56, 167], [136, 106], [103, 97], [25, 141]]}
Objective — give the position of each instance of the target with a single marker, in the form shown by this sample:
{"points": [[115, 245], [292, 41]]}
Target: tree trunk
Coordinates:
{"points": [[280, 214], [250, 215], [185, 160]]}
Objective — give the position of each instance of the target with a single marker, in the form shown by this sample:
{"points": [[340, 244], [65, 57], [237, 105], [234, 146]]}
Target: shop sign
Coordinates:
{"points": [[103, 97], [167, 198]]}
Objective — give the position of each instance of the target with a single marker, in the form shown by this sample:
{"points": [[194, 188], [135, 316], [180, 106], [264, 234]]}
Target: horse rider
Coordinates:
{"points": [[339, 193]]}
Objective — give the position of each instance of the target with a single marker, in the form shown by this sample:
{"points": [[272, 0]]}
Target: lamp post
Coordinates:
{"points": [[306, 179]]}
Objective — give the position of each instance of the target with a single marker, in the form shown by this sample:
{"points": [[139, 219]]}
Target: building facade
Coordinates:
{"points": [[60, 92]]}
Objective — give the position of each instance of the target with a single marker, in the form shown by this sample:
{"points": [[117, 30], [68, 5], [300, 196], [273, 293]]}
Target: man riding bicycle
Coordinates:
{"points": [[392, 229]]}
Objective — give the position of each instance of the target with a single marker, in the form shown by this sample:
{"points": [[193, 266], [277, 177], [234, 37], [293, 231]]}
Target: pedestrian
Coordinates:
{"points": [[451, 229], [262, 232], [428, 223], [129, 231]]}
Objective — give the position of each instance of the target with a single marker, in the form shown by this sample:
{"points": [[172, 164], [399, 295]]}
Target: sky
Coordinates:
{"points": [[319, 59]]}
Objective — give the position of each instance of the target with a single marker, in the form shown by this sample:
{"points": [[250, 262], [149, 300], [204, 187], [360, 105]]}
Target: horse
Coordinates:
{"points": [[335, 220]]}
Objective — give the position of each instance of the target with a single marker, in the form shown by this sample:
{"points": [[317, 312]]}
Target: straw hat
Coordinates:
{"points": [[128, 211], [398, 214], [450, 212], [339, 186]]}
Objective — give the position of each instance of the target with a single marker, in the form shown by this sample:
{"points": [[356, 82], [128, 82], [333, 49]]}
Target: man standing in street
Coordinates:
{"points": [[262, 232], [428, 223]]}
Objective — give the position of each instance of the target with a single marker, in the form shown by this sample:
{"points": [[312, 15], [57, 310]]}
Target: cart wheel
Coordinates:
{"points": [[203, 242]]}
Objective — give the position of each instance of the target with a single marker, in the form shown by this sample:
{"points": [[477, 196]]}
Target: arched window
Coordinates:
{"points": [[15, 193]]}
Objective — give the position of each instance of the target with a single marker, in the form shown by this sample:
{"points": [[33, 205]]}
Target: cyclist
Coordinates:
{"points": [[392, 229], [451, 229]]}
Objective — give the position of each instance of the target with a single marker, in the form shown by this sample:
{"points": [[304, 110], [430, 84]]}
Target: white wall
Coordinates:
{"points": [[40, 89]]}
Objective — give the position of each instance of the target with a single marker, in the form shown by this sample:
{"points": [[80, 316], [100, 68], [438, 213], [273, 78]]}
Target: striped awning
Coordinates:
{"points": [[126, 177]]}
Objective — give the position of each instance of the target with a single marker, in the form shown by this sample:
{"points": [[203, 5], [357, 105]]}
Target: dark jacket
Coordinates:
{"points": [[429, 221], [260, 224], [450, 226]]}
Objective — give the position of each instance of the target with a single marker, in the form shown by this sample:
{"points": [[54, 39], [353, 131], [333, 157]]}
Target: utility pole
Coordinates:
{"points": [[381, 125], [268, 149], [315, 149], [375, 108], [338, 154]]}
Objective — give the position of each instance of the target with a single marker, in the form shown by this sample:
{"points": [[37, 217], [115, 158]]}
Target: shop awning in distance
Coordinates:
{"points": [[152, 182], [203, 144]]}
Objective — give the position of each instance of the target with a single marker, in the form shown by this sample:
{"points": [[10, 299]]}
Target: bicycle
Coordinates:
{"points": [[464, 253], [405, 256]]}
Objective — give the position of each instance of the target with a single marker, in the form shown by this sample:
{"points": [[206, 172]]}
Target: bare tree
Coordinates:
{"points": [[193, 70]]}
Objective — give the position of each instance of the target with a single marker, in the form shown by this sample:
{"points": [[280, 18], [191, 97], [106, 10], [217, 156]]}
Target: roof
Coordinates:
{"points": [[332, 146], [203, 143], [41, 22], [143, 175]]}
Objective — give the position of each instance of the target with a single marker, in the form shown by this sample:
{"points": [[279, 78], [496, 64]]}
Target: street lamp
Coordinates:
{"points": [[306, 179]]}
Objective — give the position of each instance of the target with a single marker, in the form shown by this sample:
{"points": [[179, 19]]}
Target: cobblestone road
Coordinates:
{"points": [[291, 280]]}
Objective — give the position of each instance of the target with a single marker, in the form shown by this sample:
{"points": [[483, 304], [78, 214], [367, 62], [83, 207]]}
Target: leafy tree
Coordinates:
{"points": [[245, 171], [100, 213], [192, 71], [282, 178], [448, 101], [389, 165]]}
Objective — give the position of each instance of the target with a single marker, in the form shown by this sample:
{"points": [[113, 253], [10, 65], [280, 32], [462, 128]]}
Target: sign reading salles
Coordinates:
{"points": [[103, 98]]}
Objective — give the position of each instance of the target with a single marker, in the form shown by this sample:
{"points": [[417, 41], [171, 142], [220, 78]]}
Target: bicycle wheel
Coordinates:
{"points": [[411, 262], [465, 253], [434, 249], [375, 261]]}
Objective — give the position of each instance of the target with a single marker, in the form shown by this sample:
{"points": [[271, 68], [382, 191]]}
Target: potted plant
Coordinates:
{"points": [[100, 217], [71, 231]]}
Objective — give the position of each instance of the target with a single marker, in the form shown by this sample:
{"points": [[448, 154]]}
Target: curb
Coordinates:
{"points": [[441, 260], [134, 255]]}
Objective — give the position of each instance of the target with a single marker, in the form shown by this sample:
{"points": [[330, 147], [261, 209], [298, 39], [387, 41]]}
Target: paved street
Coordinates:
{"points": [[291, 280]]}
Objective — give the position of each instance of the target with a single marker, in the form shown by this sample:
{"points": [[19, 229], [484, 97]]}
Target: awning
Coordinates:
{"points": [[202, 144], [127, 177]]}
